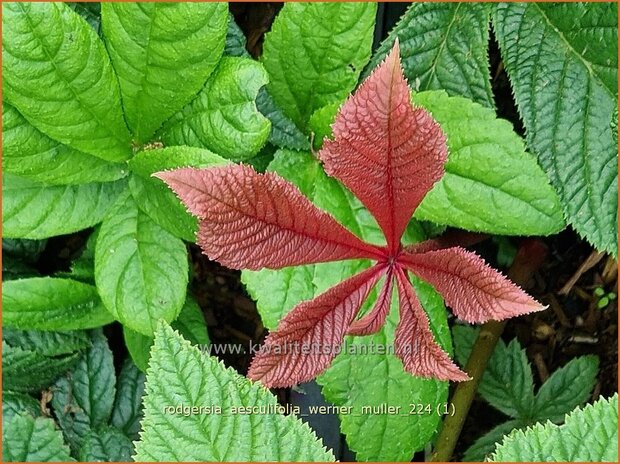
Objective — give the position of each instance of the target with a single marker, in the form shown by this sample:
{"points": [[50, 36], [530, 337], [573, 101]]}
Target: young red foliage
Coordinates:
{"points": [[389, 154]]}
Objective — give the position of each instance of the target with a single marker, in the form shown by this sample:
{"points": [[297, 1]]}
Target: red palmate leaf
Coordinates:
{"points": [[318, 325], [250, 220], [385, 151], [475, 291], [374, 320], [414, 343]]}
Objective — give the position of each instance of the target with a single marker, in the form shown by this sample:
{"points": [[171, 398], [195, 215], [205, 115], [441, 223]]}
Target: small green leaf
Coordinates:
{"points": [[139, 347], [46, 303], [56, 72], [26, 439], [32, 210], [507, 383], [444, 47], [284, 133], [485, 445], [141, 270], [154, 197], [14, 403], [208, 435], [562, 61], [83, 398], [223, 117], [491, 183], [321, 121], [314, 54], [45, 342], [30, 153], [127, 410], [107, 444], [568, 387], [27, 250], [588, 434], [162, 54], [235, 40]]}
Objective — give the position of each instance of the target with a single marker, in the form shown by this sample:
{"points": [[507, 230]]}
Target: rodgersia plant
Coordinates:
{"points": [[389, 154]]}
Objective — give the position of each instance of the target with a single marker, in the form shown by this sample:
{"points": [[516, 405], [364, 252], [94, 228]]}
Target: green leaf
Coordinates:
{"points": [[491, 183], [154, 197], [32, 210], [14, 403], [141, 270], [25, 370], [235, 40], [321, 121], [485, 445], [162, 53], [225, 436], [223, 117], [27, 250], [284, 133], [314, 54], [589, 434], [139, 347], [507, 383], [127, 410], [56, 72], [444, 46], [106, 444], [30, 153], [568, 387], [90, 11], [562, 60], [45, 342], [356, 379], [46, 303], [83, 398], [26, 439]]}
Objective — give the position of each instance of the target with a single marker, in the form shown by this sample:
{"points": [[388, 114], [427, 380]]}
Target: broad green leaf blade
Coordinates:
{"points": [[562, 60], [30, 153], [139, 347], [491, 183], [507, 383], [224, 436], [162, 54], [444, 47], [284, 133], [25, 370], [485, 445], [356, 379], [568, 387], [314, 54], [46, 342], [83, 398], [141, 270], [32, 210], [589, 434], [14, 403], [154, 197], [107, 444], [26, 439], [127, 410], [56, 72], [235, 40], [223, 117], [46, 303]]}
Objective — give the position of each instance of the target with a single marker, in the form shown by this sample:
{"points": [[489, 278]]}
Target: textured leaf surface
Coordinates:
{"points": [[107, 444], [47, 303], [214, 437], [284, 133], [30, 153], [127, 409], [235, 39], [381, 145], [250, 220], [562, 60], [491, 184], [14, 403], [32, 210], [56, 72], [589, 434], [141, 270], [26, 439], [474, 291], [47, 343], [83, 398], [484, 446], [444, 46], [307, 338], [155, 199], [314, 54], [223, 117], [162, 54]]}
